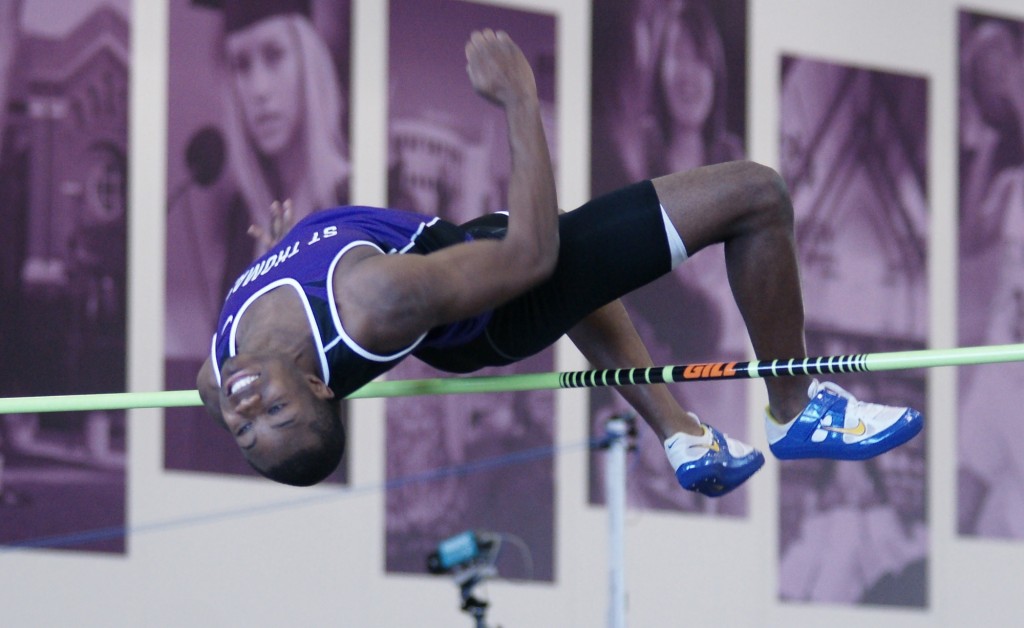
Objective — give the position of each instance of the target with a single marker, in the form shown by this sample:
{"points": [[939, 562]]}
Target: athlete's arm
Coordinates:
{"points": [[387, 301], [500, 73]]}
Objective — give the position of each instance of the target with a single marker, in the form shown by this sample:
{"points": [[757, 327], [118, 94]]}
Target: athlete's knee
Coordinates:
{"points": [[768, 196], [724, 201]]}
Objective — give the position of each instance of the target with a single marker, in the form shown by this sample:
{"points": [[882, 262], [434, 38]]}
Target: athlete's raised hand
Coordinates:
{"points": [[282, 219], [497, 68]]}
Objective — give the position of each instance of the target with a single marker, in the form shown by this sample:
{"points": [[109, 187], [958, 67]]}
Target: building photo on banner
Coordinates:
{"points": [[258, 113], [669, 94], [854, 155], [461, 462], [64, 74]]}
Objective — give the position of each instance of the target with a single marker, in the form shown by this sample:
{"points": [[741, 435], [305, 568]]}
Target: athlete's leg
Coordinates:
{"points": [[609, 247], [745, 207], [608, 339]]}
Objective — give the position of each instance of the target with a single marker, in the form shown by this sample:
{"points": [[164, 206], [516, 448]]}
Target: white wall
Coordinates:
{"points": [[320, 562]]}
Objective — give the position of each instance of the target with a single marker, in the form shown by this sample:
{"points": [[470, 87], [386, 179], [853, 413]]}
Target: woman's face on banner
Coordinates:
{"points": [[689, 82], [265, 67], [994, 74]]}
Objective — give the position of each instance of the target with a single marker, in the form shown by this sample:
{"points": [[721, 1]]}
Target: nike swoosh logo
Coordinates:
{"points": [[859, 430]]}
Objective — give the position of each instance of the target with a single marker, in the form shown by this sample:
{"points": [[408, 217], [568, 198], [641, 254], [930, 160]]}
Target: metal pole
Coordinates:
{"points": [[615, 498]]}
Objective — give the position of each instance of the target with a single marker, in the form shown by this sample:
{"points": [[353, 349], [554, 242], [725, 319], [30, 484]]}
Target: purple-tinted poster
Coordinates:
{"points": [[258, 113], [669, 94], [64, 71], [448, 156], [991, 283], [854, 147]]}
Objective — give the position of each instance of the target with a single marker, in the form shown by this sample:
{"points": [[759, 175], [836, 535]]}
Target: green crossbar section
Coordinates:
{"points": [[827, 365]]}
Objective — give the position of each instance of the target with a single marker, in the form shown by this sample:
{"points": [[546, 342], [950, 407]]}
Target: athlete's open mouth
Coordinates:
{"points": [[241, 382]]}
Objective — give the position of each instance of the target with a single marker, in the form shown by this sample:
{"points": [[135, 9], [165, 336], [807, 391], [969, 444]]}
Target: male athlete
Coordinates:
{"points": [[351, 291]]}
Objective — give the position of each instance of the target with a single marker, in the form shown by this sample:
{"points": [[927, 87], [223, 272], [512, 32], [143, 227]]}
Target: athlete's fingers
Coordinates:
{"points": [[257, 233]]}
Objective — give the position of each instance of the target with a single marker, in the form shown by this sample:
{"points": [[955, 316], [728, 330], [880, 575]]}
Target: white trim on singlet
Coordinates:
{"points": [[342, 335], [213, 358], [412, 238], [232, 349], [213, 346]]}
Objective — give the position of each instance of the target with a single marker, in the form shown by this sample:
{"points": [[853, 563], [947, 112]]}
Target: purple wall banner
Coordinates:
{"points": [[669, 94], [64, 71], [854, 147], [448, 156], [990, 487], [258, 113]]}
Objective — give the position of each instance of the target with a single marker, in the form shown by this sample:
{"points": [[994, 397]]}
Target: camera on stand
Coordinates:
{"points": [[469, 557]]}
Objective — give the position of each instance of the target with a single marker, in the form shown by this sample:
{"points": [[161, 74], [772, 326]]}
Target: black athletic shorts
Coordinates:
{"points": [[607, 248]]}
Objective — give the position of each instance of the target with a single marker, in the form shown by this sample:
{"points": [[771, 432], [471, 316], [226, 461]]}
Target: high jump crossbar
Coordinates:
{"points": [[825, 365]]}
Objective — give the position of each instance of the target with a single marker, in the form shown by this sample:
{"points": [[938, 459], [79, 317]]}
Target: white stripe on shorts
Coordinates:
{"points": [[675, 243]]}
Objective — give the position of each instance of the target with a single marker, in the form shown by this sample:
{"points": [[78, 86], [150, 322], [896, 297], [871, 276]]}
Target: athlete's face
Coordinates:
{"points": [[270, 407], [266, 72], [689, 81]]}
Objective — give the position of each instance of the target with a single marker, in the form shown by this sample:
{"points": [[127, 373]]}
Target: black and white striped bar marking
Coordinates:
{"points": [[715, 370]]}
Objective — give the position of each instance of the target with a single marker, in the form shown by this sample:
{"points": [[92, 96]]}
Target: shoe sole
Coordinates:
{"points": [[717, 481]]}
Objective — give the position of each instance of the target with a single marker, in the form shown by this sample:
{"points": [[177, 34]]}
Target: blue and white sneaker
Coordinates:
{"points": [[836, 425], [713, 463]]}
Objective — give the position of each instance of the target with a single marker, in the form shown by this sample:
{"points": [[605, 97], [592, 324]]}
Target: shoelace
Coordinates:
{"points": [[854, 407], [835, 388]]}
